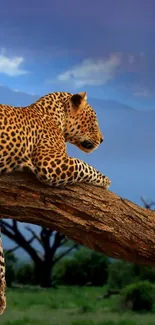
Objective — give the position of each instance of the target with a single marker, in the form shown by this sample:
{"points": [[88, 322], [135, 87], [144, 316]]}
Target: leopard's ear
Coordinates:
{"points": [[83, 95], [77, 99]]}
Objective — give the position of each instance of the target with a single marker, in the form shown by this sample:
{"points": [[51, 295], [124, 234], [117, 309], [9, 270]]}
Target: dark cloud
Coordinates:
{"points": [[95, 27], [84, 29]]}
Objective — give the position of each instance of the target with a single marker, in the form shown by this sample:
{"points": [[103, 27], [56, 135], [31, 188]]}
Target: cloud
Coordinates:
{"points": [[92, 72], [11, 66], [131, 59], [143, 93], [16, 90]]}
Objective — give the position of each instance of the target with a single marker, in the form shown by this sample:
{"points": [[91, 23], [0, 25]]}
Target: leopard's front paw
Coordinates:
{"points": [[106, 182]]}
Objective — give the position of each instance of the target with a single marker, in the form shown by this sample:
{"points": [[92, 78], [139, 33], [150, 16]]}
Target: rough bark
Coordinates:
{"points": [[87, 214]]}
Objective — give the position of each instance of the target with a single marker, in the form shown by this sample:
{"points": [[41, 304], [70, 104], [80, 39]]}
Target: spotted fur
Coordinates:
{"points": [[35, 137], [2, 280]]}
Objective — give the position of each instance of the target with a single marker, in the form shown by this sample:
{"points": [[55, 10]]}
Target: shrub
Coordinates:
{"points": [[25, 274], [10, 261], [147, 273], [85, 267], [138, 296], [120, 274]]}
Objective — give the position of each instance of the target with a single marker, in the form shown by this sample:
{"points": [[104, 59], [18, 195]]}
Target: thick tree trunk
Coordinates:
{"points": [[89, 215], [42, 274]]}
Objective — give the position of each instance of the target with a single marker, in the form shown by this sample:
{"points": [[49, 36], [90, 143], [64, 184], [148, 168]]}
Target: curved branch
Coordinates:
{"points": [[18, 237], [146, 204], [12, 250], [34, 235], [89, 215], [6, 225], [66, 252]]}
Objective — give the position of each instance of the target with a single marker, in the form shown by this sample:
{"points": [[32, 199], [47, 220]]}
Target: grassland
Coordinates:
{"points": [[67, 306]]}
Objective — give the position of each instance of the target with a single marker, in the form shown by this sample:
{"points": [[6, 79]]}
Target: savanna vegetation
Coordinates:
{"points": [[88, 288]]}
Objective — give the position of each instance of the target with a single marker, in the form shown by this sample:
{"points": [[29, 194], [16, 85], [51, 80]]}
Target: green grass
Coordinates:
{"points": [[67, 306]]}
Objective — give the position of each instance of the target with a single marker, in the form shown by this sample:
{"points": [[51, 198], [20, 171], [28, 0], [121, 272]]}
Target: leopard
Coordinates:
{"points": [[36, 137]]}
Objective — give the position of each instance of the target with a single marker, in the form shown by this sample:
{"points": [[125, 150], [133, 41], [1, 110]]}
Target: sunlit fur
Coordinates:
{"points": [[82, 124]]}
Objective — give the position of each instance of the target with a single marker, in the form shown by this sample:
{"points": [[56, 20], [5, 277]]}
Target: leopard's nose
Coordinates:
{"points": [[101, 139]]}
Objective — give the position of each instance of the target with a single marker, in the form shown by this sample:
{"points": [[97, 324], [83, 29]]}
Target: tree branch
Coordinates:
{"points": [[146, 204], [66, 252], [14, 234], [34, 235], [6, 225], [56, 244], [12, 250], [89, 215]]}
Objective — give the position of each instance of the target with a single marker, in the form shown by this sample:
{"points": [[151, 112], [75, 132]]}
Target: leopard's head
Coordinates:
{"points": [[82, 128]]}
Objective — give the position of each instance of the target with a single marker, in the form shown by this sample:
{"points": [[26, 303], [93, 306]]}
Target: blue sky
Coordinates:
{"points": [[105, 47]]}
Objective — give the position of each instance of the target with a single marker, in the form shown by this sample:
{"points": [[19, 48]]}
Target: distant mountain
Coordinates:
{"points": [[15, 98], [108, 104], [18, 98]]}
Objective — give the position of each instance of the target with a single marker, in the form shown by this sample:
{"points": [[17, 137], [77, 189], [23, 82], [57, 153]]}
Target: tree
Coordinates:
{"points": [[43, 263]]}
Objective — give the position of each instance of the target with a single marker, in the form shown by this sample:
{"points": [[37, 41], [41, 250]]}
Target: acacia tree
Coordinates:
{"points": [[50, 242]]}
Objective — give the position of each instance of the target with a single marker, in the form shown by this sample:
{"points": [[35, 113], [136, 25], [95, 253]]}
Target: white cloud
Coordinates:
{"points": [[131, 59], [11, 66], [135, 58], [23, 92], [91, 72], [143, 93]]}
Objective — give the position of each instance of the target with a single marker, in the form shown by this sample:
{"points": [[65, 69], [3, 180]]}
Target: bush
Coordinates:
{"points": [[147, 273], [25, 274], [138, 296], [10, 261], [121, 274], [86, 267]]}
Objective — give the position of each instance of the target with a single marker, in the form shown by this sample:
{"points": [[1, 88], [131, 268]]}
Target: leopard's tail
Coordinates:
{"points": [[2, 278]]}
